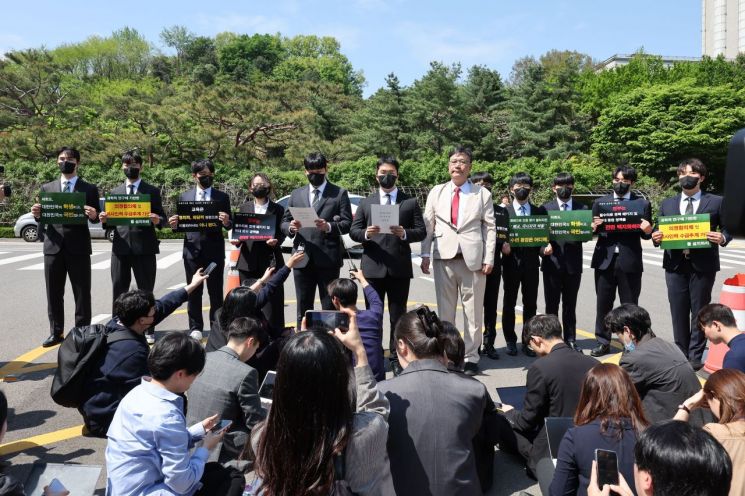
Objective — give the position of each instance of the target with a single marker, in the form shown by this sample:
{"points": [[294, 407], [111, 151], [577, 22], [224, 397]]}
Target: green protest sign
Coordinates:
{"points": [[529, 230], [684, 232], [570, 225], [63, 208], [127, 210]]}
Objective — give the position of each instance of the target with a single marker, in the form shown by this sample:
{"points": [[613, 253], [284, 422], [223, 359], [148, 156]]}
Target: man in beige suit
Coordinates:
{"points": [[461, 237]]}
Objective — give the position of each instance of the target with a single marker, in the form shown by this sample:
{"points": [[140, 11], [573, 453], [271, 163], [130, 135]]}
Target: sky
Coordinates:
{"points": [[384, 36]]}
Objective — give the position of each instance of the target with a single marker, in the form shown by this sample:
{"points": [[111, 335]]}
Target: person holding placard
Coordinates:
{"points": [[690, 273], [386, 255], [617, 258], [257, 256], [135, 246], [562, 264], [459, 217], [321, 237], [67, 247], [204, 246], [520, 266]]}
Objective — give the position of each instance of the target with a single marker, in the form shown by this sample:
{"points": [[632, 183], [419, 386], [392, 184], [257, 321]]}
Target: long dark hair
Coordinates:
{"points": [[311, 417], [240, 302], [422, 331], [609, 395]]}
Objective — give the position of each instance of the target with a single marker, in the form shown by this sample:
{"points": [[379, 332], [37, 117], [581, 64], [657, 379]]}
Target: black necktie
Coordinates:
{"points": [[131, 189], [387, 199]]}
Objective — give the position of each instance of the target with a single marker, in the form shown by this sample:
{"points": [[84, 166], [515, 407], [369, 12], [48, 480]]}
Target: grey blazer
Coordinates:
{"points": [[229, 387], [434, 417], [367, 469]]}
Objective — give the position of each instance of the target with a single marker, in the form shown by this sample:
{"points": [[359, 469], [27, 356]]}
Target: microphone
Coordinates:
{"points": [[337, 219]]}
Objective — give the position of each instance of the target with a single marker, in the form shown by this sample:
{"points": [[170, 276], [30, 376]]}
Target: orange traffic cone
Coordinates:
{"points": [[733, 295], [233, 280]]}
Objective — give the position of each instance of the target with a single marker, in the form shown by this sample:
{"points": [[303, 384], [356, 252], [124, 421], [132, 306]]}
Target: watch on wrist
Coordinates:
{"points": [[684, 408]]}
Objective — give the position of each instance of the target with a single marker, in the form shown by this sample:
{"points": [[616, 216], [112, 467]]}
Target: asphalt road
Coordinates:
{"points": [[41, 430]]}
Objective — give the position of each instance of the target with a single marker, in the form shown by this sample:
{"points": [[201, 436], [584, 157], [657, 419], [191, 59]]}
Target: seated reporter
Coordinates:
{"points": [[609, 416], [149, 447], [724, 395], [315, 433], [428, 458], [119, 370], [661, 373]]}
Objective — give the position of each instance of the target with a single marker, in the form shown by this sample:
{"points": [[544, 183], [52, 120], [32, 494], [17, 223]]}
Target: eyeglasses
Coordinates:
{"points": [[459, 161]]}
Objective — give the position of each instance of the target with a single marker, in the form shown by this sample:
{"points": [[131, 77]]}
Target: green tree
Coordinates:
{"points": [[250, 58]]}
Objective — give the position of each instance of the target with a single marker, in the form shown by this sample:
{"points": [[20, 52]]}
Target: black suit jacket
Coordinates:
{"points": [[385, 254], [73, 238], [629, 243], [139, 240], [209, 244], [553, 386], [528, 256], [567, 255], [323, 248], [257, 255], [704, 259]]}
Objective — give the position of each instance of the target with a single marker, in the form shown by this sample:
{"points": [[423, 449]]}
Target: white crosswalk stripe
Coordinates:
{"points": [[20, 258], [171, 259], [40, 266]]}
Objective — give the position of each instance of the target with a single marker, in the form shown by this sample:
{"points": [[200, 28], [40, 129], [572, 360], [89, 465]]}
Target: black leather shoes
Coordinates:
{"points": [[491, 352], [471, 369], [511, 349], [528, 351], [52, 340], [396, 368], [600, 350], [573, 345]]}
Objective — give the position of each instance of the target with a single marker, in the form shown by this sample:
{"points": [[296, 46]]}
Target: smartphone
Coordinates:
{"points": [[222, 425], [300, 247], [267, 390], [56, 487], [209, 268], [327, 320], [273, 263], [607, 467]]}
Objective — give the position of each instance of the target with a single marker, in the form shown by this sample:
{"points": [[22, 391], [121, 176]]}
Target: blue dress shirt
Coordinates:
{"points": [[149, 443]]}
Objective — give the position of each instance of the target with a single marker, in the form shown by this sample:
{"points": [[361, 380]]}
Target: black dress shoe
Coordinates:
{"points": [[471, 369], [600, 350], [528, 351], [491, 352], [573, 345], [396, 368], [511, 349], [52, 340]]}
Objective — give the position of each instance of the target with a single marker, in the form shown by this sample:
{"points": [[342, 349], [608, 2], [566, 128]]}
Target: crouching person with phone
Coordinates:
{"points": [[149, 445]]}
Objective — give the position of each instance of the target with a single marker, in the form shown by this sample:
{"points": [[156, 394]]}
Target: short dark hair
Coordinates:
{"points": [[632, 316], [68, 150], [715, 311], [483, 177], [563, 179], [628, 172], [422, 331], [521, 178], [344, 289], [455, 348], [387, 159], [173, 352], [132, 156], [132, 305], [243, 328], [682, 459], [696, 166], [461, 149], [314, 161], [199, 165], [542, 326], [3, 409]]}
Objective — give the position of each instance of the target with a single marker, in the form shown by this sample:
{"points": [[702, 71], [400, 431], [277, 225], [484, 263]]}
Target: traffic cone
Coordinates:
{"points": [[233, 280], [732, 295]]}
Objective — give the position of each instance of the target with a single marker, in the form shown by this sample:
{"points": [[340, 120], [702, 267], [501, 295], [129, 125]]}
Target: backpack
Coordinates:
{"points": [[77, 354]]}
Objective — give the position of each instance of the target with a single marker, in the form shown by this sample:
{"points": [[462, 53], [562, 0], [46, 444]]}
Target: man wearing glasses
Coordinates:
{"points": [[617, 259], [461, 239]]}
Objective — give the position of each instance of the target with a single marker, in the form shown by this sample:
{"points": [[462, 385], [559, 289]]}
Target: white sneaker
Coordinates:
{"points": [[150, 338], [196, 335]]}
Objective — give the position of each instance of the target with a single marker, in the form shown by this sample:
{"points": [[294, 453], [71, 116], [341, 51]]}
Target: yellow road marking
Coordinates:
{"points": [[41, 440]]}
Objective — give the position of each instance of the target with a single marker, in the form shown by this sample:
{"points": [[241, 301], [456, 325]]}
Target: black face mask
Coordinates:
{"points": [[522, 193], [260, 192], [132, 172], [621, 188], [205, 181], [688, 182], [387, 180], [67, 167], [564, 192], [316, 179]]}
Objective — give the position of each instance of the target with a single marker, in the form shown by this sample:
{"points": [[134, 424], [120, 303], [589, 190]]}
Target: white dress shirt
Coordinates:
{"points": [[312, 189], [261, 208], [72, 182], [684, 202], [561, 202], [393, 194], [516, 205], [136, 184], [465, 189], [204, 194]]}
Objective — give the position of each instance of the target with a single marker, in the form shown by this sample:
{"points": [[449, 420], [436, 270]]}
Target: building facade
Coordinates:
{"points": [[722, 27]]}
